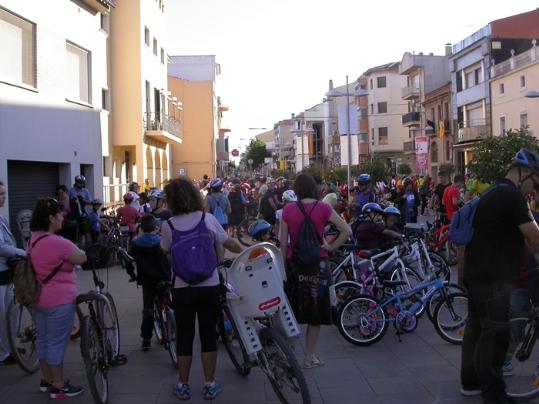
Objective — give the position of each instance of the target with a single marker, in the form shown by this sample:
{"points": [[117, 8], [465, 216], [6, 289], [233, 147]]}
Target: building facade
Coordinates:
{"points": [[510, 81], [284, 144], [54, 97], [193, 80]]}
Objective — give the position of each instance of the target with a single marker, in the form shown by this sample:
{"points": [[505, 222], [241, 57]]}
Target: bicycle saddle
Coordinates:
{"points": [[369, 253], [392, 284]]}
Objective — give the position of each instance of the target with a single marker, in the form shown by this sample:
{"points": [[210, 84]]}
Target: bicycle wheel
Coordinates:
{"points": [[232, 342], [345, 289], [450, 252], [171, 336], [361, 320], [282, 368], [450, 316], [242, 232], [523, 384], [437, 296], [441, 268], [157, 321], [111, 324], [22, 334], [94, 358]]}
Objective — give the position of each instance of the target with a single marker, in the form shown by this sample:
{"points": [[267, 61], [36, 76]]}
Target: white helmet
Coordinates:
{"points": [[289, 196], [156, 193]]}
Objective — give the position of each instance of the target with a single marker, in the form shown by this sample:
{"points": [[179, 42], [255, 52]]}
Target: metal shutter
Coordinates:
{"points": [[27, 181]]}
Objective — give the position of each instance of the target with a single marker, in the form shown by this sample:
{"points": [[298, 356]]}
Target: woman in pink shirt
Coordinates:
{"points": [[55, 256], [308, 288]]}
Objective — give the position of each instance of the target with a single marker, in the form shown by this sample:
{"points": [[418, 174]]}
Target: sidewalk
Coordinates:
{"points": [[421, 369]]}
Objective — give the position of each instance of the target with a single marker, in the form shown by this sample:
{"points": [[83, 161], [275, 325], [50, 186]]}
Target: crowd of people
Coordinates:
{"points": [[159, 221]]}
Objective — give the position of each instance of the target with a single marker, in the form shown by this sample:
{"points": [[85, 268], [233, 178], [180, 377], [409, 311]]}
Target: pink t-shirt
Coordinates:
{"points": [[47, 255], [128, 215], [293, 217]]}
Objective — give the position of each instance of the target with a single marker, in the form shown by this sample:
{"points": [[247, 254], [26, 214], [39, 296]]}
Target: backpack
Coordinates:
{"points": [[265, 207], [27, 288], [461, 230], [193, 253], [218, 212], [306, 252]]}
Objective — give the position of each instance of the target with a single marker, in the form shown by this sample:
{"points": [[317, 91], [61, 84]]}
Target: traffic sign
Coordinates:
{"points": [[235, 152]]}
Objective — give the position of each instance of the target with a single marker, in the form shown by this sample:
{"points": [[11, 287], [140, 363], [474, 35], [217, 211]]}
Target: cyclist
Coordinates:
{"points": [[259, 230], [217, 204], [408, 201], [452, 198], [134, 189], [95, 223], [364, 194], [80, 198], [237, 208], [443, 183], [502, 223], [128, 215], [370, 231], [158, 207]]}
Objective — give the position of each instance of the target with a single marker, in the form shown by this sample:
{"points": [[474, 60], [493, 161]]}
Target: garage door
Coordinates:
{"points": [[26, 182]]}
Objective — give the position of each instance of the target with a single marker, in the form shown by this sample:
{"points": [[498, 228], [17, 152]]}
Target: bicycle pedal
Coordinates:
{"points": [[119, 360]]}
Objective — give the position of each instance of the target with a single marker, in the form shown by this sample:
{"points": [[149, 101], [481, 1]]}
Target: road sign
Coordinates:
{"points": [[235, 152]]}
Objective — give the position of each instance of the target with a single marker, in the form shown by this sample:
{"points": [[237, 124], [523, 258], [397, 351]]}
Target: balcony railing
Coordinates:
{"points": [[409, 147], [472, 130], [159, 121], [410, 92], [411, 118]]}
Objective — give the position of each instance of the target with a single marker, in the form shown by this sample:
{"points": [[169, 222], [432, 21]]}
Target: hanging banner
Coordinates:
{"points": [[342, 117], [421, 154]]}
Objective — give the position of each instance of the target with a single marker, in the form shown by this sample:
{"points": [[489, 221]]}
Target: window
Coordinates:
{"points": [[370, 83], [502, 125], [382, 135], [155, 47], [523, 119], [17, 60], [147, 36], [372, 109], [434, 152], [382, 107], [105, 99], [372, 135], [381, 82], [78, 73], [477, 76], [447, 150], [522, 81], [105, 22], [162, 56], [459, 77], [502, 88], [469, 79]]}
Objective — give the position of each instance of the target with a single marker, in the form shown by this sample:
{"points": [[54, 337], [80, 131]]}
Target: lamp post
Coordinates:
{"points": [[336, 93]]}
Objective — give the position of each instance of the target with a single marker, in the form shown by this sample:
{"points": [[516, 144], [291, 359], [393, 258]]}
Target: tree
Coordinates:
{"points": [[257, 152], [376, 168], [447, 168], [492, 156], [404, 169]]}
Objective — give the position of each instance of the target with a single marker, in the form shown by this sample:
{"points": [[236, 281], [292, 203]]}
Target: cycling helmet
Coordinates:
{"points": [[128, 198], [408, 181], [258, 228], [289, 196], [371, 207], [392, 211], [363, 179], [216, 183], [97, 201], [157, 194], [528, 159], [80, 178]]}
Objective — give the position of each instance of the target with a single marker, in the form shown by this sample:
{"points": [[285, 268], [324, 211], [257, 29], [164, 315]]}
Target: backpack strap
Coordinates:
{"points": [[302, 208], [55, 270], [170, 225]]}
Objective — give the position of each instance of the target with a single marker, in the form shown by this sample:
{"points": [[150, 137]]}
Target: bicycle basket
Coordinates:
{"points": [[97, 256]]}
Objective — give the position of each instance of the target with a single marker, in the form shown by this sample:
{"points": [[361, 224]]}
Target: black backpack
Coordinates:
{"points": [[306, 252]]}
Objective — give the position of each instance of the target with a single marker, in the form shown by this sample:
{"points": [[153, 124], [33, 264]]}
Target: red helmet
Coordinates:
{"points": [[128, 197]]}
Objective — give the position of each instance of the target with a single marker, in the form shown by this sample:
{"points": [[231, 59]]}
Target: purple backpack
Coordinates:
{"points": [[193, 253]]}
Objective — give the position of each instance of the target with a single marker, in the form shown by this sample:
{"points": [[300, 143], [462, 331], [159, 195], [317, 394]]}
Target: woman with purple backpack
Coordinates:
{"points": [[192, 237]]}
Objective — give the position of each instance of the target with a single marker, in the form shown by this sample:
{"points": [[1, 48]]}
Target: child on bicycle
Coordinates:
{"points": [[370, 232], [152, 269]]}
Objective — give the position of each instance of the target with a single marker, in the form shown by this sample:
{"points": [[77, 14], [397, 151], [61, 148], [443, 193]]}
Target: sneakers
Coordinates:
{"points": [[44, 386], [470, 393], [67, 391], [146, 344], [10, 360], [210, 391], [182, 391], [507, 369], [313, 362]]}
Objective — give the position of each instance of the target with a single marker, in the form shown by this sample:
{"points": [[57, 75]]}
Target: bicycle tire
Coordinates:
{"points": [[456, 315], [113, 325], [345, 289], [171, 336], [21, 333], [285, 370], [435, 298], [442, 268], [230, 336], [242, 232], [347, 320], [157, 322], [94, 359]]}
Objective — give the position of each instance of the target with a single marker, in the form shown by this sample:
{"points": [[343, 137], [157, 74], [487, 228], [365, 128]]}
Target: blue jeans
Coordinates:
{"points": [[54, 326]]}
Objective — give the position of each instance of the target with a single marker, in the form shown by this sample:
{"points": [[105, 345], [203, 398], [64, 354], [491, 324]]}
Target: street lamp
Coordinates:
{"points": [[336, 93], [532, 94]]}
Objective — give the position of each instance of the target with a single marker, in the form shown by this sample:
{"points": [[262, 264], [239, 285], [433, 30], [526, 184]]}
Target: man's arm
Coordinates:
{"points": [[531, 234]]}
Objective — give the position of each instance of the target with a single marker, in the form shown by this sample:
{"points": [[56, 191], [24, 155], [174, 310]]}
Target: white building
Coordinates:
{"points": [[53, 87]]}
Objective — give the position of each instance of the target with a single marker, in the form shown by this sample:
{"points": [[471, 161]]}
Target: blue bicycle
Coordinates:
{"points": [[363, 320]]}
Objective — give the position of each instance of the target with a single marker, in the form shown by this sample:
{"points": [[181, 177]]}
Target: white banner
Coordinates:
{"points": [[344, 150], [341, 115]]}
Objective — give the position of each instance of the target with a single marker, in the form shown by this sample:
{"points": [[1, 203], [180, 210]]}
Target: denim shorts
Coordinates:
{"points": [[54, 326]]}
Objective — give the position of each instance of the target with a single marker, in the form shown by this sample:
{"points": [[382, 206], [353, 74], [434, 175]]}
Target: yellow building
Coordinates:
{"points": [[204, 150], [510, 82], [143, 114]]}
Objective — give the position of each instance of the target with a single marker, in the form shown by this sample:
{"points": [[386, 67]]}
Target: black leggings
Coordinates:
{"points": [[190, 303]]}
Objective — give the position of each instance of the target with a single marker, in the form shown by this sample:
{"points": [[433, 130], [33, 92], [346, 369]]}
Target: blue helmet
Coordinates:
{"points": [[216, 183], [371, 207], [363, 179], [392, 211], [528, 159], [258, 228]]}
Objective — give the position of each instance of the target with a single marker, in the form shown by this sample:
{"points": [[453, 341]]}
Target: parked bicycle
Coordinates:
{"points": [[164, 322]]}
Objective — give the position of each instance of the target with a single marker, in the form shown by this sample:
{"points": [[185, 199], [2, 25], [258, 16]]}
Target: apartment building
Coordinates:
{"points": [[54, 97], [144, 116], [193, 80], [510, 81], [470, 65], [284, 144], [424, 73]]}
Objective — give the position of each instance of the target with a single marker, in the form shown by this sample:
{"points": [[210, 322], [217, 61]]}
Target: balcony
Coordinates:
{"points": [[162, 127], [409, 147], [470, 131], [410, 92], [100, 6], [411, 119]]}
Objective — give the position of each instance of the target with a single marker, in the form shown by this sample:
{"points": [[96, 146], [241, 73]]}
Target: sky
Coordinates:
{"points": [[277, 56]]}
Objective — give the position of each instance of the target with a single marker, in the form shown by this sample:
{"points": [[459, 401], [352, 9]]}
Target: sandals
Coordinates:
{"points": [[313, 362]]}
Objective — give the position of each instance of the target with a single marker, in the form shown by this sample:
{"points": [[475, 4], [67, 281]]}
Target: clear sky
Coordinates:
{"points": [[277, 56]]}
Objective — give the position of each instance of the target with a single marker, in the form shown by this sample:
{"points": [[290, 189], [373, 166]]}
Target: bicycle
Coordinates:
{"points": [[164, 322], [260, 319], [363, 320], [438, 241], [100, 329]]}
